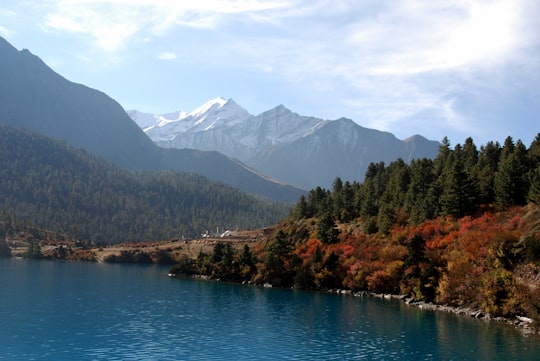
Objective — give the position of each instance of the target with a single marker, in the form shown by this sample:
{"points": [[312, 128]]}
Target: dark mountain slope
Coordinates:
{"points": [[34, 97], [342, 149]]}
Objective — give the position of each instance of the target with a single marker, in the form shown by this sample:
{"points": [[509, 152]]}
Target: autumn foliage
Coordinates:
{"points": [[461, 230]]}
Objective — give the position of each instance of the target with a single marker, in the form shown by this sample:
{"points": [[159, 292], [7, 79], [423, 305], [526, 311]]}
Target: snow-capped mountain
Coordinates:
{"points": [[214, 114], [292, 148], [224, 126]]}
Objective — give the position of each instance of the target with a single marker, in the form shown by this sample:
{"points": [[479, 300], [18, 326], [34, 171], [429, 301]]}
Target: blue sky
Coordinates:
{"points": [[436, 68]]}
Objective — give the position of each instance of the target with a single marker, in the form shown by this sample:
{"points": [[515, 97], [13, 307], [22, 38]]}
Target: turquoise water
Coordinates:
{"points": [[84, 311]]}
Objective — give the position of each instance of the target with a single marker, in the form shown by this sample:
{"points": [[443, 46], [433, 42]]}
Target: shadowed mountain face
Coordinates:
{"points": [[34, 97]]}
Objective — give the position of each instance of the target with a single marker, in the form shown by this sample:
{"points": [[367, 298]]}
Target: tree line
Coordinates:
{"points": [[460, 181]]}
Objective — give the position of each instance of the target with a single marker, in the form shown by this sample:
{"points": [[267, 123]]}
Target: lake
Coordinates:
{"points": [[84, 311]]}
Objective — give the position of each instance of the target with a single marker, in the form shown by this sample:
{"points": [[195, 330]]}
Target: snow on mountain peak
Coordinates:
{"points": [[297, 149], [215, 103], [215, 113]]}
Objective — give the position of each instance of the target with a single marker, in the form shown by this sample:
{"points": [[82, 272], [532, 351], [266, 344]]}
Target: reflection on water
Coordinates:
{"points": [[53, 310]]}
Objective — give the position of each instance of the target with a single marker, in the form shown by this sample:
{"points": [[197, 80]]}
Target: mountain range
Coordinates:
{"points": [[277, 154], [294, 149], [34, 97]]}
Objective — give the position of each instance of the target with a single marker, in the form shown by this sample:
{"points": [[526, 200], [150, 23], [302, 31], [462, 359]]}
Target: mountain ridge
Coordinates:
{"points": [[287, 146]]}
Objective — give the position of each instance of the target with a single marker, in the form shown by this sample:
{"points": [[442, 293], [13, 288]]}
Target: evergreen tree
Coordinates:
{"points": [[442, 165], [386, 217], [533, 153], [418, 204], [247, 258], [398, 178], [347, 212], [326, 228], [396, 182], [485, 170], [459, 193], [277, 259], [470, 154], [534, 190], [442, 161], [533, 157], [218, 252], [228, 256], [318, 201], [301, 209], [337, 197], [372, 189], [511, 183]]}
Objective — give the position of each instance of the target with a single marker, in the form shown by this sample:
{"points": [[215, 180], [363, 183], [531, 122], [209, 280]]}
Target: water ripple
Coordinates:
{"points": [[110, 312]]}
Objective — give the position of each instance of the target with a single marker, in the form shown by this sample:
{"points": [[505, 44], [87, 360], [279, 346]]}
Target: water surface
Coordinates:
{"points": [[85, 311]]}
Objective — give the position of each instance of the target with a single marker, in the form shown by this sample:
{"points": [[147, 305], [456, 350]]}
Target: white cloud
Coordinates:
{"points": [[6, 17], [392, 60], [109, 28], [5, 32], [167, 55], [62, 22], [382, 60], [7, 12], [113, 23], [437, 37]]}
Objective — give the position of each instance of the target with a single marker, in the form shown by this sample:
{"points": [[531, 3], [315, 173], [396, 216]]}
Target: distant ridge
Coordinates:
{"points": [[292, 148]]}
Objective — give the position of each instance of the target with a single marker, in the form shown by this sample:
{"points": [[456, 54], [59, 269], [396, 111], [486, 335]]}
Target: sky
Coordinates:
{"points": [[461, 68]]}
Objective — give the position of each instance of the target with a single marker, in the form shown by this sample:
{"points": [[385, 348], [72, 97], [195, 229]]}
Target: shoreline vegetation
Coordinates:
{"points": [[182, 256]]}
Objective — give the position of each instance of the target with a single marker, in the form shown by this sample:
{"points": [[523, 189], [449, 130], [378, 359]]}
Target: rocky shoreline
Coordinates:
{"points": [[524, 324]]}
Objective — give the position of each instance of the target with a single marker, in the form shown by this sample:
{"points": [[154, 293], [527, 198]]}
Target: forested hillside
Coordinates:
{"points": [[461, 230], [52, 185]]}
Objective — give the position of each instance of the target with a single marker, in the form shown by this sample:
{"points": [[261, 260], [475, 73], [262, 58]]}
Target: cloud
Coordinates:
{"points": [[107, 27], [388, 61], [166, 56], [5, 32], [380, 61], [112, 24], [7, 16], [8, 13], [419, 38]]}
